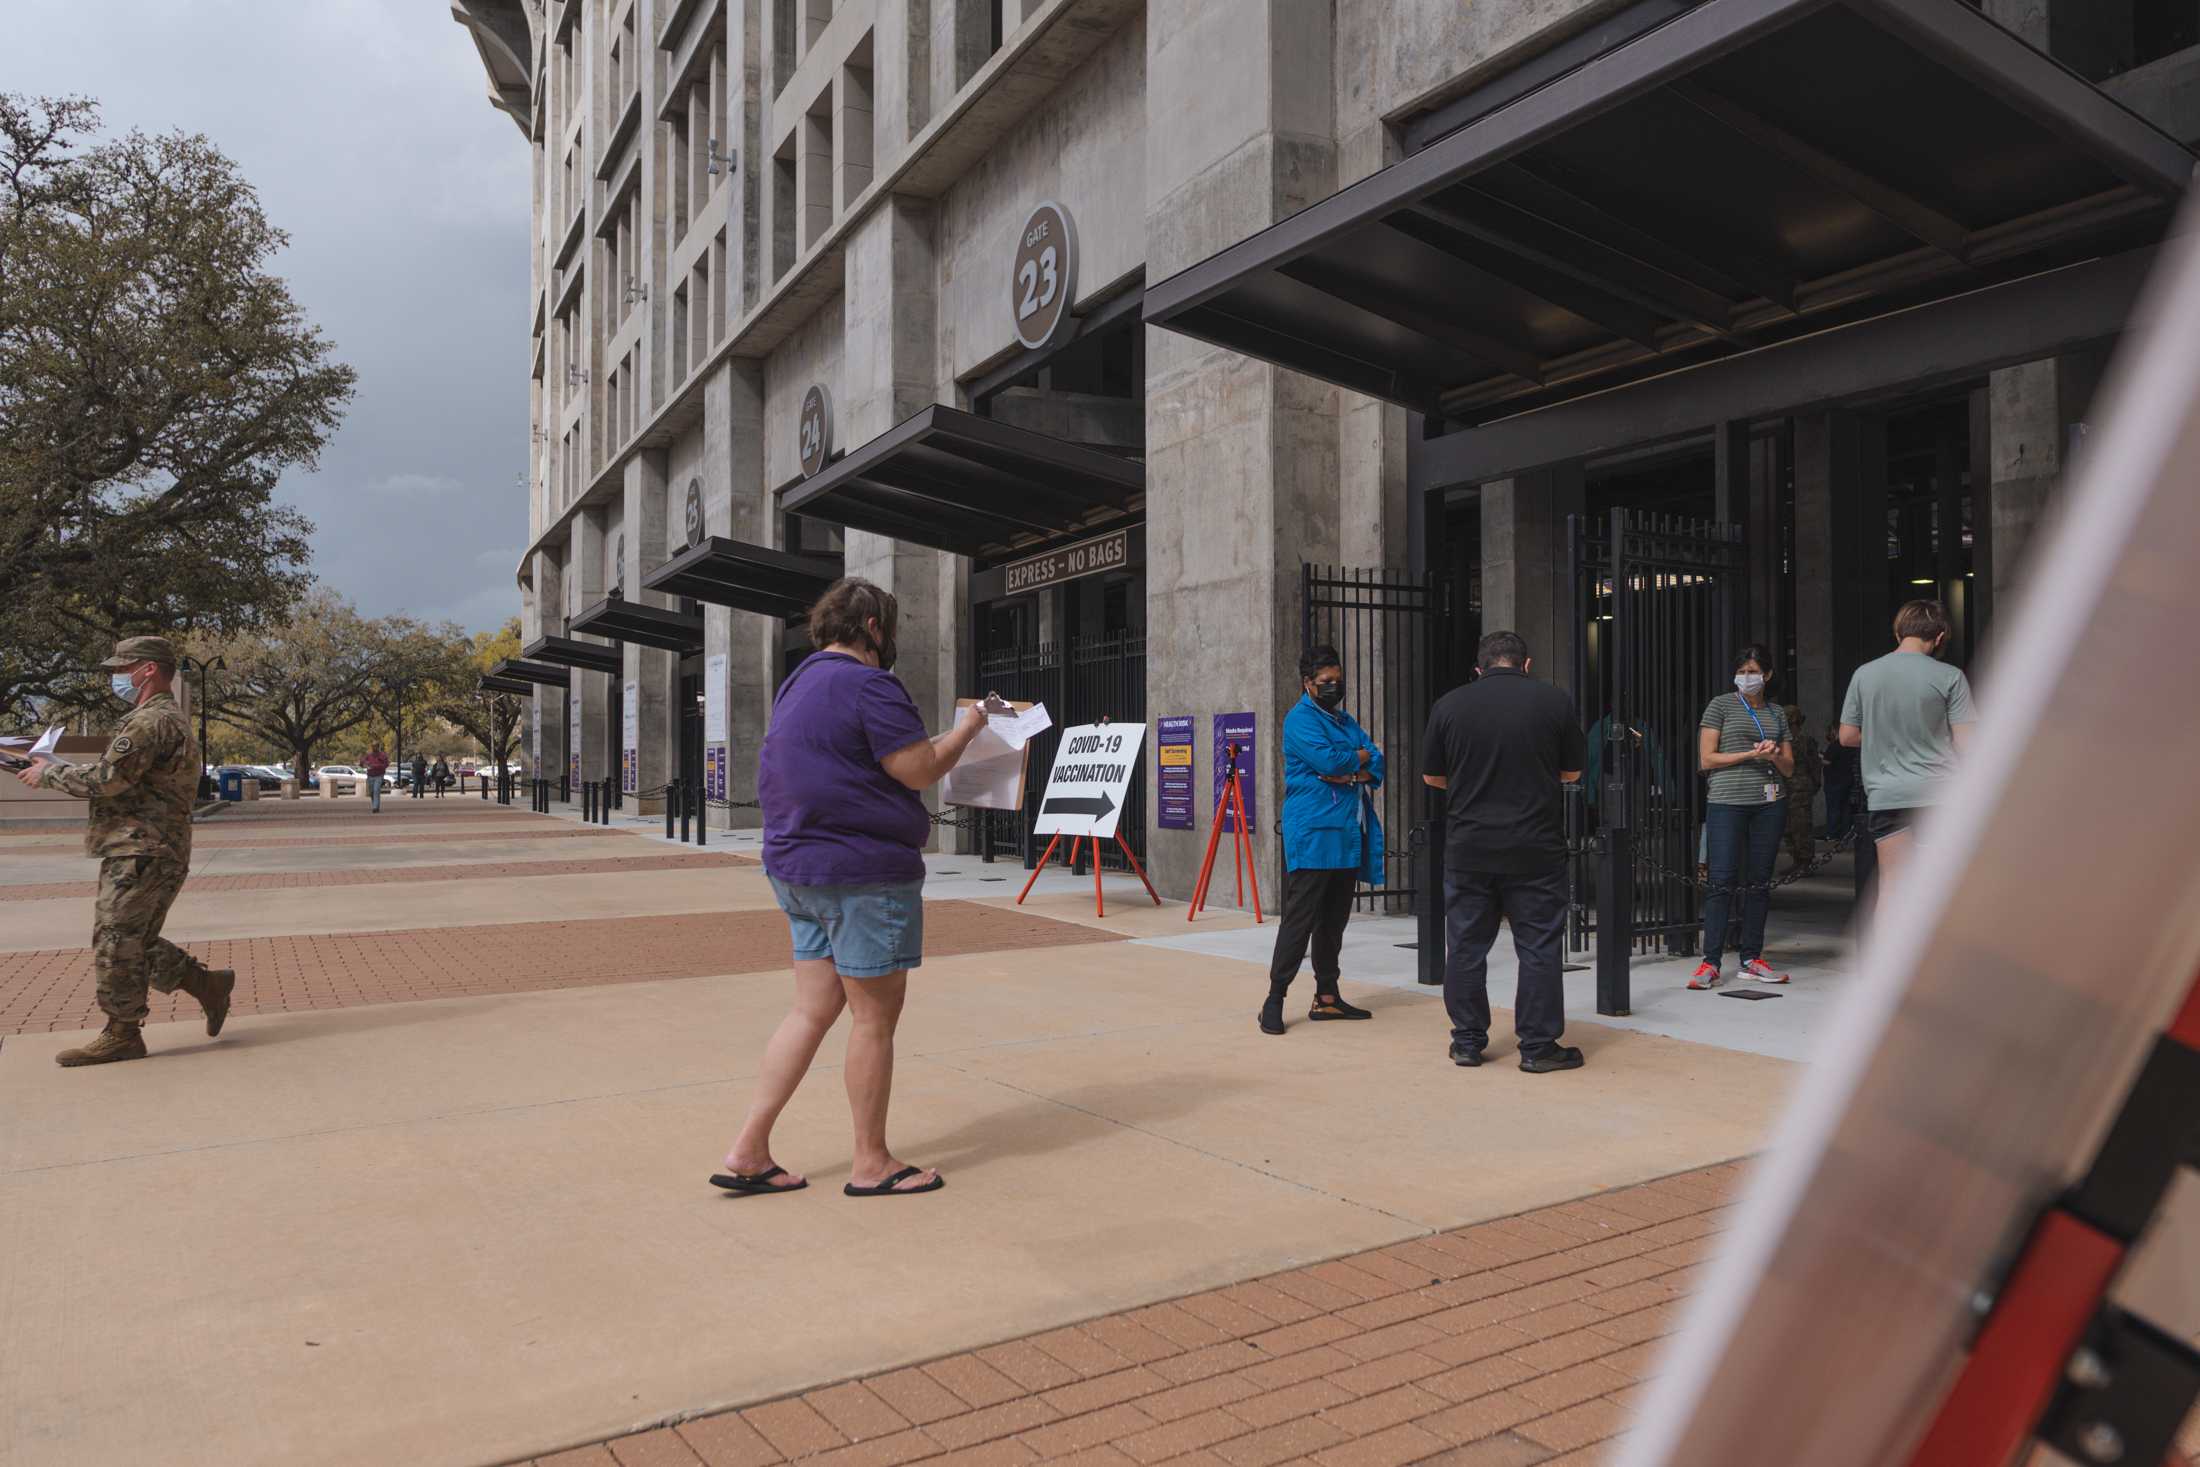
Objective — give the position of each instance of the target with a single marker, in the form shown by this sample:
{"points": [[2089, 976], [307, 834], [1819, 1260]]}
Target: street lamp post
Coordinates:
{"points": [[202, 666]]}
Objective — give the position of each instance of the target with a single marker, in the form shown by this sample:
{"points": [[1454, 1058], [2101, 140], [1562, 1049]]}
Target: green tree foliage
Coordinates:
{"points": [[155, 383], [491, 719]]}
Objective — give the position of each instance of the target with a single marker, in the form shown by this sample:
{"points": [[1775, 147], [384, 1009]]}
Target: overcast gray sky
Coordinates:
{"points": [[366, 127]]}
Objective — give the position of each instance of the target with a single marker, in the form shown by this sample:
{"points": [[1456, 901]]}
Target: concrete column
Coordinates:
{"points": [[654, 672], [546, 720], [589, 571], [746, 109], [889, 368], [1371, 434], [2031, 410], [1842, 610], [735, 504], [1241, 457], [1527, 573]]}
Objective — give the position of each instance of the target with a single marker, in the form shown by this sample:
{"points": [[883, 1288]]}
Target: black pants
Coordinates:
{"points": [[1316, 905], [1535, 905]]}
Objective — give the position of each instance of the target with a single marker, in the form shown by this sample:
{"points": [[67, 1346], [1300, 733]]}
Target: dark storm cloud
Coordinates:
{"points": [[365, 126]]}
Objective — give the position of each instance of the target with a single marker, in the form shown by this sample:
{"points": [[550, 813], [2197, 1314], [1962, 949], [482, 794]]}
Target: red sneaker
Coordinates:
{"points": [[1762, 971], [1705, 976]]}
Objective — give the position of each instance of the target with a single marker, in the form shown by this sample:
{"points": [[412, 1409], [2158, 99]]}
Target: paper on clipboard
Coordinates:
{"points": [[990, 774]]}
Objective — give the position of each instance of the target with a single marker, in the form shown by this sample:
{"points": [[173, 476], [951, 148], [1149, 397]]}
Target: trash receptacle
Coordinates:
{"points": [[232, 781]]}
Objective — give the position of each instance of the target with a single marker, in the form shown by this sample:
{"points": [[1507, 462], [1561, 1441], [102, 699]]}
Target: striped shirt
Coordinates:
{"points": [[1742, 784]]}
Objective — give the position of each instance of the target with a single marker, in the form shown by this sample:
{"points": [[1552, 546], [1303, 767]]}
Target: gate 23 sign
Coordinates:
{"points": [[1092, 774], [1044, 277]]}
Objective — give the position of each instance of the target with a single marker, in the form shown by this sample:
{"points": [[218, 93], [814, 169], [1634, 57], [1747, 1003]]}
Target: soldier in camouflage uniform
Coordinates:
{"points": [[140, 829]]}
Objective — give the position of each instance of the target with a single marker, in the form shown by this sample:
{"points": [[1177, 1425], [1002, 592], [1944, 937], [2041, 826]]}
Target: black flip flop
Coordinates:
{"points": [[892, 1187], [752, 1183]]}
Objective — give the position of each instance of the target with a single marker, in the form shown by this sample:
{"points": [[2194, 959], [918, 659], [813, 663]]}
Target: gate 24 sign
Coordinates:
{"points": [[1092, 774], [1045, 275]]}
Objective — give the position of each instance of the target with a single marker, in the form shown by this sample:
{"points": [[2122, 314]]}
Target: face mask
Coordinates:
{"points": [[124, 688], [1749, 684], [1329, 695]]}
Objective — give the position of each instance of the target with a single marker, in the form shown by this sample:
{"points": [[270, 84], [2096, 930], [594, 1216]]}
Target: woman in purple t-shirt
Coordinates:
{"points": [[844, 833]]}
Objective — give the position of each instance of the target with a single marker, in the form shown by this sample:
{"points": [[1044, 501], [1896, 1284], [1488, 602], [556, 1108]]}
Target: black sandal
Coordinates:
{"points": [[892, 1187], [753, 1183], [1333, 1006]]}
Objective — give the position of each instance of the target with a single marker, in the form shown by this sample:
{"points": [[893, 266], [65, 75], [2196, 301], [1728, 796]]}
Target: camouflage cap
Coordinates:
{"points": [[130, 651]]}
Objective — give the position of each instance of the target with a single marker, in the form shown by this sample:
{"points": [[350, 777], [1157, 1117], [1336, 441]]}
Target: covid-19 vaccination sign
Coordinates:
{"points": [[1091, 777]]}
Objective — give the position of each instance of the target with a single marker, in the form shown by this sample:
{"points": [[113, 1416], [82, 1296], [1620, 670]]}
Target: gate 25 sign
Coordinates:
{"points": [[1045, 279]]}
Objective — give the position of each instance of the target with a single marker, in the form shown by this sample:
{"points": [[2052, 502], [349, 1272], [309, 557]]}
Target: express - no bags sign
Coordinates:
{"points": [[1091, 776]]}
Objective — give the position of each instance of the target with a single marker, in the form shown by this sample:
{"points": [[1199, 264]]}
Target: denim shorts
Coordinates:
{"points": [[868, 930]]}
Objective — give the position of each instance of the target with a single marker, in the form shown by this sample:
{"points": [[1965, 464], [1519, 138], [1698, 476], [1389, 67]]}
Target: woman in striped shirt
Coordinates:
{"points": [[1743, 748]]}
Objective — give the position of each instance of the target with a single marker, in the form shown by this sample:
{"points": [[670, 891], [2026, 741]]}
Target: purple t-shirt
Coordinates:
{"points": [[832, 815]]}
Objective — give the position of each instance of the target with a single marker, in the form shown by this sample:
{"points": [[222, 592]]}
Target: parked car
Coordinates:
{"points": [[280, 772], [337, 778]]}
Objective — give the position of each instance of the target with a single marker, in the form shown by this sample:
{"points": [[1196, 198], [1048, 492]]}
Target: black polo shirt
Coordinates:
{"points": [[1502, 742]]}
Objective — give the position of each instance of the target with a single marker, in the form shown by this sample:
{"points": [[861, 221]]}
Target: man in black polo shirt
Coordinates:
{"points": [[1500, 747]]}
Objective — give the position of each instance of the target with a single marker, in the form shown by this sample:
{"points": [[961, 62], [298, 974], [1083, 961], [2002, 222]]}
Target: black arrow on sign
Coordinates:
{"points": [[1096, 806]]}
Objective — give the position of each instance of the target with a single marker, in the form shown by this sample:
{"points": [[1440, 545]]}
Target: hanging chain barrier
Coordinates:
{"points": [[1826, 851]]}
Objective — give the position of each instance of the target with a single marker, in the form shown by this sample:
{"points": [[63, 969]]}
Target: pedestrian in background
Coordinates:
{"points": [[838, 777], [420, 775], [1332, 839], [1500, 747], [1909, 715], [377, 764], [442, 776], [139, 827], [1743, 749]]}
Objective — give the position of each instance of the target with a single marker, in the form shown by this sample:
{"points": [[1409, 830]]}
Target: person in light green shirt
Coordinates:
{"points": [[1910, 715]]}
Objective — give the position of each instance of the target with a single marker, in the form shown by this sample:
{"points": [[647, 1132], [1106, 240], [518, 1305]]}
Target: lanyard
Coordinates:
{"points": [[1752, 716]]}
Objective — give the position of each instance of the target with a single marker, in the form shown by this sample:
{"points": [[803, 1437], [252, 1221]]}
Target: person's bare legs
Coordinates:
{"points": [[1892, 851], [818, 1001], [874, 1009]]}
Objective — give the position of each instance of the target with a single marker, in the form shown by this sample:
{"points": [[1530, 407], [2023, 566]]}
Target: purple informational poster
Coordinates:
{"points": [[714, 771], [1236, 728], [1173, 765]]}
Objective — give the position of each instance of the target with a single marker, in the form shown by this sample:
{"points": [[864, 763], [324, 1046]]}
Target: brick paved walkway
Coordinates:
{"points": [[52, 988], [397, 875], [1508, 1343], [210, 838]]}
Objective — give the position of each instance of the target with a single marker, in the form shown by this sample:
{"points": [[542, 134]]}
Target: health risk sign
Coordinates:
{"points": [[1092, 774]]}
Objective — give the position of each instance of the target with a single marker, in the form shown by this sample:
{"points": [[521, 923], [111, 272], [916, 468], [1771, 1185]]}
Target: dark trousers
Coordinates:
{"points": [[1535, 905], [1316, 905], [1743, 842]]}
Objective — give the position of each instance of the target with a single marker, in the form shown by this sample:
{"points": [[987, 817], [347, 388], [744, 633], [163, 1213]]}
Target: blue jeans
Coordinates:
{"points": [[868, 930], [1742, 848], [374, 791]]}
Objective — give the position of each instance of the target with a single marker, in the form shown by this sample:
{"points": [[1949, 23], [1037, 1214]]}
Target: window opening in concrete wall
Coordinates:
{"points": [[815, 155], [783, 208], [856, 143], [1092, 391], [816, 15], [716, 327], [681, 365], [678, 166], [806, 536], [784, 57]]}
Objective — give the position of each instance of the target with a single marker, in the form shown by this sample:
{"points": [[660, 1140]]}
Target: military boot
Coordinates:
{"points": [[120, 1040], [212, 990]]}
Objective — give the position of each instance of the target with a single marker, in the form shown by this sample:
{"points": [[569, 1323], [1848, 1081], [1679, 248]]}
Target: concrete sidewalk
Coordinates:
{"points": [[477, 1229]]}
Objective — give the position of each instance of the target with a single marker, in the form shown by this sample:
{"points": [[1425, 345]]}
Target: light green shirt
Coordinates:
{"points": [[1907, 704], [1744, 784]]}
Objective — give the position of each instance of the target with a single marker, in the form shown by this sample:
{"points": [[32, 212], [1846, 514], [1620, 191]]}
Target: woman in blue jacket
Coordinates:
{"points": [[1331, 838]]}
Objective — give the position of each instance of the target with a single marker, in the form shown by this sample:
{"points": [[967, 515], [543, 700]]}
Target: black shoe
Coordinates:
{"points": [[1271, 1016], [1466, 1056], [1559, 1057], [1333, 1006]]}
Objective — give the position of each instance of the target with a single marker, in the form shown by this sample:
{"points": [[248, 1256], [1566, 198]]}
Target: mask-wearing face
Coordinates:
{"points": [[886, 649], [124, 688], [1329, 695], [1749, 684]]}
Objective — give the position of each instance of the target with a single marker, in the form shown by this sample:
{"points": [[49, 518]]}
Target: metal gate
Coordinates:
{"points": [[1656, 614], [1390, 628], [1091, 679]]}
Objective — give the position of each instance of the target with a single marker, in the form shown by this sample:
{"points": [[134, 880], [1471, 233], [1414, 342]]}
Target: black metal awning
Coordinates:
{"points": [[747, 577], [520, 670], [491, 683], [575, 653], [959, 482], [1746, 172], [644, 626]]}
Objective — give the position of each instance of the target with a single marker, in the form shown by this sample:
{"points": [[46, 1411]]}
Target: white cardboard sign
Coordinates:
{"points": [[1091, 775]]}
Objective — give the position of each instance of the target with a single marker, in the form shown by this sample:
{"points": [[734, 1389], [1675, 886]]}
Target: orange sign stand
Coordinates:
{"points": [[1231, 802], [1099, 903]]}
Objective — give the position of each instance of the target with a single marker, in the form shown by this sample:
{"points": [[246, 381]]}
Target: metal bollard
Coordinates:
{"points": [[672, 793], [485, 789], [685, 796], [702, 817], [588, 802]]}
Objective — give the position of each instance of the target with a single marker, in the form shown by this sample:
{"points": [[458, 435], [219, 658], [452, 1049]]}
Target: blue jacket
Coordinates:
{"points": [[1329, 826]]}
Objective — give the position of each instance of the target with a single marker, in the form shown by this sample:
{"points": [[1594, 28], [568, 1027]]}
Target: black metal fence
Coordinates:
{"points": [[1656, 609], [1089, 679], [1391, 628]]}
